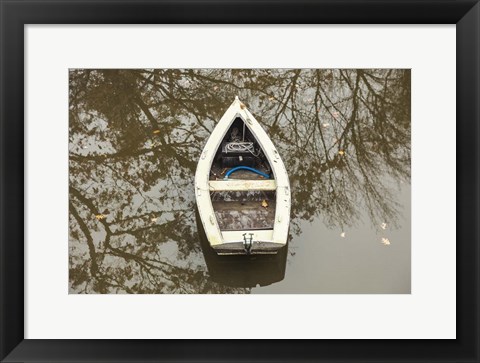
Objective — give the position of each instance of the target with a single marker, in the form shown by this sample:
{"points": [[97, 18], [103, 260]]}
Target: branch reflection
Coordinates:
{"points": [[136, 135]]}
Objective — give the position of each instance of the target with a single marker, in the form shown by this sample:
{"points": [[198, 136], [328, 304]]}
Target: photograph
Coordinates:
{"points": [[239, 181]]}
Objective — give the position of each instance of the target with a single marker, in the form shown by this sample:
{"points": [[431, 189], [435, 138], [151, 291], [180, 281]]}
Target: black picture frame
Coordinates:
{"points": [[15, 14]]}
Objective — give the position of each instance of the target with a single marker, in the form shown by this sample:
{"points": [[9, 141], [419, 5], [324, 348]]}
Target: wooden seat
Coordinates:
{"points": [[242, 185]]}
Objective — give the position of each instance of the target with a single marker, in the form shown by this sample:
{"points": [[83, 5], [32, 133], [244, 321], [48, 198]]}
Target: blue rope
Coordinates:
{"points": [[246, 168]]}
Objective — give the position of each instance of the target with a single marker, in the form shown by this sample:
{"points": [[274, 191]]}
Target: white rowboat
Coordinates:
{"points": [[242, 188]]}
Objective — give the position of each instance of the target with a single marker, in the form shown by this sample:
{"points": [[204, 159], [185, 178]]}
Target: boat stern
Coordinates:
{"points": [[241, 248], [255, 242]]}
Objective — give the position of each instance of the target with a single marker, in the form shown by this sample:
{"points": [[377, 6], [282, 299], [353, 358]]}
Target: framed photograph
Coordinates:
{"points": [[239, 181]]}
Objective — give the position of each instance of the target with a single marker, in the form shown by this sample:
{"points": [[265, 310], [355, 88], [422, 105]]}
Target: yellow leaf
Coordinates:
{"points": [[271, 98], [341, 152], [386, 241], [100, 216], [242, 106], [156, 131], [264, 204], [154, 219]]}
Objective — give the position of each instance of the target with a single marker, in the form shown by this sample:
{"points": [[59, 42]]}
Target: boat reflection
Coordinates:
{"points": [[242, 271]]}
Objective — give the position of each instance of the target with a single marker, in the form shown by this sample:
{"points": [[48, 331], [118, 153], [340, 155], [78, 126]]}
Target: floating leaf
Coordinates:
{"points": [[383, 225], [264, 203], [385, 241], [271, 98], [154, 219], [342, 234], [156, 131], [341, 152]]}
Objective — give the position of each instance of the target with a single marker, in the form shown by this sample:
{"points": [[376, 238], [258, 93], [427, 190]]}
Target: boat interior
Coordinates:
{"points": [[242, 184]]}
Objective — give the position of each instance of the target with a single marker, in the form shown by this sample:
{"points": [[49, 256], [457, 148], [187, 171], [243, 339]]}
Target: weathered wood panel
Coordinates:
{"points": [[234, 216]]}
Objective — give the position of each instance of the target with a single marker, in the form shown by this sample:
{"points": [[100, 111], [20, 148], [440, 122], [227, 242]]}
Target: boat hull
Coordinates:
{"points": [[242, 213]]}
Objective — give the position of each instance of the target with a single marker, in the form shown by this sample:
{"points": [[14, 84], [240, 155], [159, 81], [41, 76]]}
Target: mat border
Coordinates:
{"points": [[16, 14]]}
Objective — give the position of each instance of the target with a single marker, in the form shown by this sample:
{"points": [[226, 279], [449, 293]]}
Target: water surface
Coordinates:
{"points": [[134, 140]]}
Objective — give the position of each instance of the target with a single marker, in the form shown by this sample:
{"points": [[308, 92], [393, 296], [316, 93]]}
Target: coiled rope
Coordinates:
{"points": [[241, 146]]}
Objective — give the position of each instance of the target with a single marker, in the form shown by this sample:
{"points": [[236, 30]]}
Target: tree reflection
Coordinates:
{"points": [[136, 135]]}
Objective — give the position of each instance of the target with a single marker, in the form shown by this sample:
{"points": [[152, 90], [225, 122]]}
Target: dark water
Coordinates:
{"points": [[135, 138]]}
